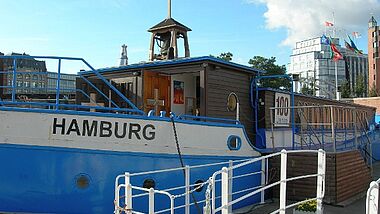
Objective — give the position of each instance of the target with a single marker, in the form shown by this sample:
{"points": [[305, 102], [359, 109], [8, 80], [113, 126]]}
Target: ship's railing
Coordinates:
{"points": [[13, 94], [372, 200], [328, 127], [208, 119], [124, 204], [221, 200]]}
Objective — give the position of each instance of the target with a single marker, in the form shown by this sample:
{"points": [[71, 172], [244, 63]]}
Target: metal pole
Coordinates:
{"points": [[263, 181], [237, 112], [283, 181], [128, 192], [355, 128], [271, 126], [151, 201], [336, 81], [333, 128], [58, 86], [14, 82], [224, 190], [292, 115], [230, 176], [187, 189]]}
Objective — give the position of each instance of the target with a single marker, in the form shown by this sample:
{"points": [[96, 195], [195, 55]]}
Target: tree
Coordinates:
{"points": [[307, 90], [225, 56], [345, 89], [360, 86], [372, 91], [271, 68]]}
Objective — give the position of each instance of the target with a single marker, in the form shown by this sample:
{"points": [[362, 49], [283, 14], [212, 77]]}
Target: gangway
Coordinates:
{"points": [[219, 196]]}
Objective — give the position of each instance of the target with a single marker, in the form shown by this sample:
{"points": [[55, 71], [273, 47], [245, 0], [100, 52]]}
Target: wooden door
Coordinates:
{"points": [[152, 81]]}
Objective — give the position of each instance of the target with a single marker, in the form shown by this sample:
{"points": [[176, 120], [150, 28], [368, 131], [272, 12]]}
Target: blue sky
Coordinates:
{"points": [[96, 29]]}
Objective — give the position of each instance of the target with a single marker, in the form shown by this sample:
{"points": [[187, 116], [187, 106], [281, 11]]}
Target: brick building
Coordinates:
{"points": [[373, 55]]}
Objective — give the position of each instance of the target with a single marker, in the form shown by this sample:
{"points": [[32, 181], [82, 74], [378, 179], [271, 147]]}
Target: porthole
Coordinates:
{"points": [[82, 181], [149, 183], [198, 185], [234, 142]]}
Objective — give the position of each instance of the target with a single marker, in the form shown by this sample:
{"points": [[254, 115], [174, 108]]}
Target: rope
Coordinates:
{"points": [[181, 160]]}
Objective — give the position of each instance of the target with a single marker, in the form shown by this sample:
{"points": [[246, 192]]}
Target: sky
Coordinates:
{"points": [[96, 29]]}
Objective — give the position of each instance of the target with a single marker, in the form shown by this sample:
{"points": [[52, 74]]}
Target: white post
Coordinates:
{"points": [[187, 189], [230, 176], [224, 190], [117, 199], [263, 183], [128, 193], [237, 112], [283, 181], [372, 201], [321, 179], [151, 201], [172, 205], [336, 82], [169, 9]]}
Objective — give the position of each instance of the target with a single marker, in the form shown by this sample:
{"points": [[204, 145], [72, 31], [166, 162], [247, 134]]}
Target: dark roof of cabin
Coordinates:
{"points": [[166, 23], [175, 62]]}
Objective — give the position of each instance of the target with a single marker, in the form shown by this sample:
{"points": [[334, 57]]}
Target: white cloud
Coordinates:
{"points": [[305, 18]]}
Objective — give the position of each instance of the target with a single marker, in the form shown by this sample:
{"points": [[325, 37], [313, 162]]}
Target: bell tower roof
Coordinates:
{"points": [[169, 23], [372, 22]]}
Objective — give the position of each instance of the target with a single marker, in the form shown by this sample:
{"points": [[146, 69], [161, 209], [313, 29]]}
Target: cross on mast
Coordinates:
{"points": [[169, 9]]}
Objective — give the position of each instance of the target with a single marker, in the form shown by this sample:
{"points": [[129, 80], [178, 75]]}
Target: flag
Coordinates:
{"points": [[329, 24], [354, 46], [348, 46], [325, 40], [335, 54], [356, 35]]}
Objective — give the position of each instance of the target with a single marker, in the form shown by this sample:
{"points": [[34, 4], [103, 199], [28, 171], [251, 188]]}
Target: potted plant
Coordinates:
{"points": [[309, 207]]}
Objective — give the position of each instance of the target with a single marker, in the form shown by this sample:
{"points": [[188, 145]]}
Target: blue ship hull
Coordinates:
{"points": [[44, 179]]}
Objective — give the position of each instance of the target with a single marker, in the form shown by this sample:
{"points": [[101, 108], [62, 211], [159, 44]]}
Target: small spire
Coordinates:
{"points": [[124, 56]]}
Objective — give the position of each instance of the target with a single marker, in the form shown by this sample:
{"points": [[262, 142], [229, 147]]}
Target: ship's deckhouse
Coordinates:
{"points": [[192, 86]]}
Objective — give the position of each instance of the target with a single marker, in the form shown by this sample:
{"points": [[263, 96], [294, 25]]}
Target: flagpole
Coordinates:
{"points": [[336, 81]]}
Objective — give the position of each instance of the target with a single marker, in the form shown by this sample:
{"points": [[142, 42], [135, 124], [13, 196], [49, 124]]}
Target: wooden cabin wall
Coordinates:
{"points": [[267, 98], [220, 83]]}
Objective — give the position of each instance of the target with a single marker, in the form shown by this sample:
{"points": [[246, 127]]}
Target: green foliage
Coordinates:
{"points": [[360, 86], [372, 91], [307, 90], [310, 206], [345, 89], [225, 56], [269, 65]]}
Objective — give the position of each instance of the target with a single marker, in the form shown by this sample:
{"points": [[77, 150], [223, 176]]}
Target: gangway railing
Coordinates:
{"points": [[124, 202], [13, 89], [372, 199], [221, 200], [329, 127]]}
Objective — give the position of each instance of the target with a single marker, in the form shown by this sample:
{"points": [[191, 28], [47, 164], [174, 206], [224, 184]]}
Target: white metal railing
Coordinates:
{"points": [[372, 200], [226, 203], [123, 203], [226, 181]]}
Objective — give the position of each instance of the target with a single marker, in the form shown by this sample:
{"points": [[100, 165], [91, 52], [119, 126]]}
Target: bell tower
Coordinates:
{"points": [[165, 37]]}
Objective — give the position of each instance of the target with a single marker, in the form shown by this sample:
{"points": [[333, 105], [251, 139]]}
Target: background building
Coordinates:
{"points": [[33, 80], [373, 56], [311, 60]]}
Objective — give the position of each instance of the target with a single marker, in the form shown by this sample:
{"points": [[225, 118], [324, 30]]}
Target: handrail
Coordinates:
{"points": [[185, 116], [13, 72], [372, 199], [226, 182]]}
